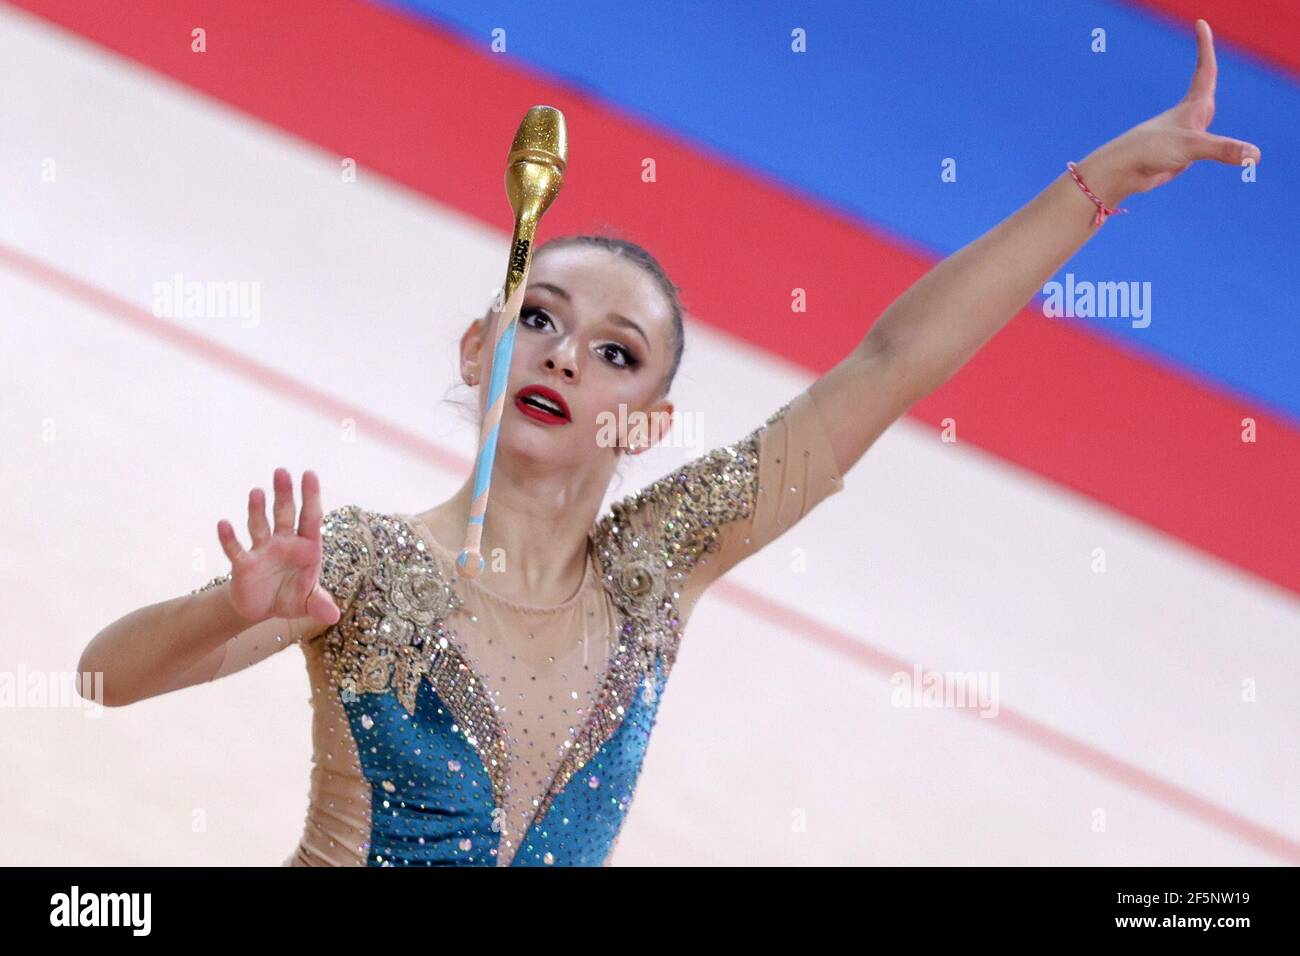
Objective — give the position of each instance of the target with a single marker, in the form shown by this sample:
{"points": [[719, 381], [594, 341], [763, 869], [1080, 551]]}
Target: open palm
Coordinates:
{"points": [[279, 575]]}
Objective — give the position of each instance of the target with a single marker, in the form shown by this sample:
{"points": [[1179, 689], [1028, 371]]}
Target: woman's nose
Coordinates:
{"points": [[563, 365]]}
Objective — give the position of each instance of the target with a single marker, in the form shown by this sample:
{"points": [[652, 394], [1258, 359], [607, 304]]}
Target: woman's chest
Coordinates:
{"points": [[541, 674]]}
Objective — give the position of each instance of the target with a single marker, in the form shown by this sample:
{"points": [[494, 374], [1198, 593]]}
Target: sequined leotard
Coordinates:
{"points": [[452, 726]]}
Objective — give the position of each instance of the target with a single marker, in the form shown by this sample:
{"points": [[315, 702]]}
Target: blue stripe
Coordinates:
{"points": [[501, 357], [487, 454], [1012, 91]]}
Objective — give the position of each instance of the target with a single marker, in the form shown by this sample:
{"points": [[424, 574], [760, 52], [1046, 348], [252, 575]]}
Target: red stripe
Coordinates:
{"points": [[429, 111], [1267, 28]]}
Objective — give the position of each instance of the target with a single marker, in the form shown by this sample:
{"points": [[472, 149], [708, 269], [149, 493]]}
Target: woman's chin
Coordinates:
{"points": [[533, 441]]}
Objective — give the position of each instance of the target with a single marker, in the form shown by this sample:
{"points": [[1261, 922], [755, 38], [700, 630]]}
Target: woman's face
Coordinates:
{"points": [[595, 328]]}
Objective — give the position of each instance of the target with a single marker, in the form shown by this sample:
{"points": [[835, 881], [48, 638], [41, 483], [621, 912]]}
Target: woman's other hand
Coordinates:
{"points": [[1154, 152], [279, 576]]}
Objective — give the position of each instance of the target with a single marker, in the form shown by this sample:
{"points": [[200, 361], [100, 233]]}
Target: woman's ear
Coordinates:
{"points": [[660, 417], [471, 350]]}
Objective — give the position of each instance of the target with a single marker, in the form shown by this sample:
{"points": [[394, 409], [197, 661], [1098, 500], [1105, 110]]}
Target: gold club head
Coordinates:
{"points": [[535, 166]]}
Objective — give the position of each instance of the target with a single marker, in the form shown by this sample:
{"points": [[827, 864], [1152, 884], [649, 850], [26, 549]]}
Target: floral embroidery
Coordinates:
{"points": [[421, 595], [640, 585], [394, 635]]}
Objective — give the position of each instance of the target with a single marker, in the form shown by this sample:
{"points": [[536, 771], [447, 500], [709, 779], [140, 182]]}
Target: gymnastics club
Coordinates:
{"points": [[534, 175]]}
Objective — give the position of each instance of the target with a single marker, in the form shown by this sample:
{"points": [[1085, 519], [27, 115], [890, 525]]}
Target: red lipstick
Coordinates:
{"points": [[544, 404]]}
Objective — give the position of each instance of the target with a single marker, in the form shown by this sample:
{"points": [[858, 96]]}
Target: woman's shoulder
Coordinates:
{"points": [[653, 538], [692, 524], [346, 524], [356, 537], [365, 552], [347, 550], [709, 490], [386, 548]]}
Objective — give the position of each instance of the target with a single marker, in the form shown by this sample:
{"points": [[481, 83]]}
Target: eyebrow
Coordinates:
{"points": [[613, 316]]}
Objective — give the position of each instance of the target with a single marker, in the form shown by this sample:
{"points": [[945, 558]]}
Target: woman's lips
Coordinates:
{"points": [[538, 414]]}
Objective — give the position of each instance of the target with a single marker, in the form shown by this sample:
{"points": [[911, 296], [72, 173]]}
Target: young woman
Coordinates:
{"points": [[503, 720]]}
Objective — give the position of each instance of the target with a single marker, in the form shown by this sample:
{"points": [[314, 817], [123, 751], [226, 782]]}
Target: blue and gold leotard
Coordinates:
{"points": [[453, 726]]}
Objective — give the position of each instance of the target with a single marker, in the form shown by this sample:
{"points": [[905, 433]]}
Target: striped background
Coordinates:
{"points": [[1121, 693]]}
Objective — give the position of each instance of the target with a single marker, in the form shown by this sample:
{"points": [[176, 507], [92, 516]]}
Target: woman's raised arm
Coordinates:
{"points": [[935, 327]]}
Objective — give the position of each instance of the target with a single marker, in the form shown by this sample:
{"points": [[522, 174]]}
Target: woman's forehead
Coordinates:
{"points": [[598, 278]]}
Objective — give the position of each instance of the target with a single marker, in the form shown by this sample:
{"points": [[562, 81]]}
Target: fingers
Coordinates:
{"points": [[310, 520], [284, 507], [1224, 149], [1207, 71], [229, 543], [258, 529], [322, 607]]}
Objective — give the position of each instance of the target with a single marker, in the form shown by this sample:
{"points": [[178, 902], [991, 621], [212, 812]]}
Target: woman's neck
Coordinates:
{"points": [[535, 541]]}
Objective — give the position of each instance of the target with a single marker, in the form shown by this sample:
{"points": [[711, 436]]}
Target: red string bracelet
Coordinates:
{"points": [[1102, 210]]}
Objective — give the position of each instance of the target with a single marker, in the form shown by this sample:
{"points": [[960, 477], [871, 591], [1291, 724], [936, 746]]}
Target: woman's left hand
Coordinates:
{"points": [[1154, 152]]}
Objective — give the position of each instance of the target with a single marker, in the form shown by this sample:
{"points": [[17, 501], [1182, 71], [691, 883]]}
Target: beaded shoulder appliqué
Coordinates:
{"points": [[652, 540]]}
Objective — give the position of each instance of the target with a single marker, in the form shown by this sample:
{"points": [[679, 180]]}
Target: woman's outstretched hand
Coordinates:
{"points": [[1154, 152], [279, 577]]}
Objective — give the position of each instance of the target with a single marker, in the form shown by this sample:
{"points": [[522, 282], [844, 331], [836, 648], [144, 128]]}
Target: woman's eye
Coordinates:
{"points": [[612, 352], [533, 310], [629, 360]]}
